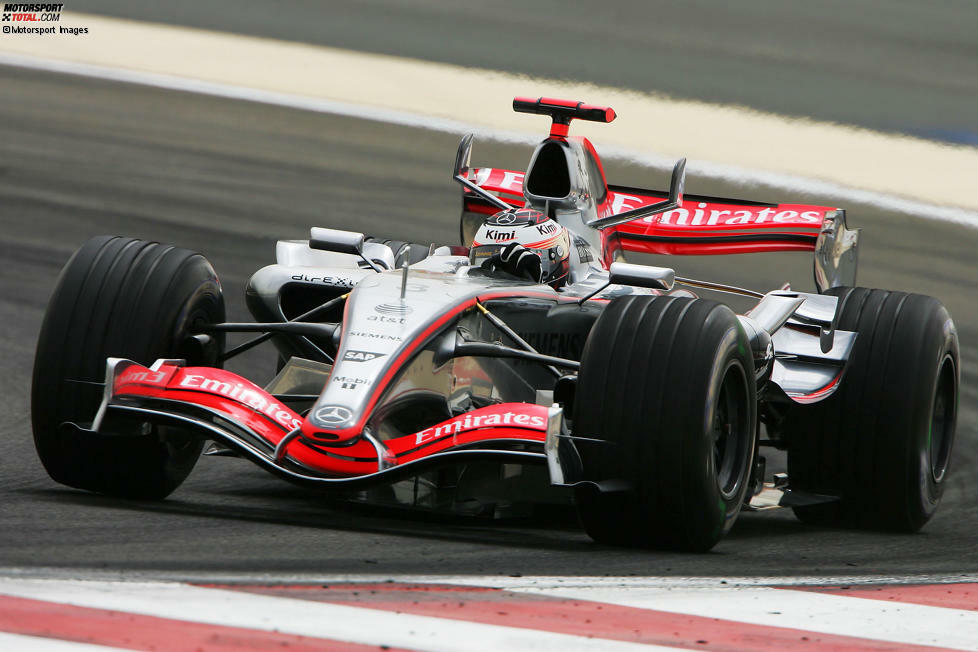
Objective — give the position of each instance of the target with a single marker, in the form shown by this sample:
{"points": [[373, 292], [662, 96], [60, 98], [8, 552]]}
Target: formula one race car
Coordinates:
{"points": [[459, 377]]}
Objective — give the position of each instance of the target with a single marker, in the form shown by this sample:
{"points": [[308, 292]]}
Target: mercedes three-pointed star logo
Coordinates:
{"points": [[333, 415]]}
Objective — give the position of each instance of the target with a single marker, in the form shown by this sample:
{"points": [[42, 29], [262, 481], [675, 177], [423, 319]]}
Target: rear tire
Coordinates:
{"points": [[668, 383], [883, 441], [405, 253], [125, 298]]}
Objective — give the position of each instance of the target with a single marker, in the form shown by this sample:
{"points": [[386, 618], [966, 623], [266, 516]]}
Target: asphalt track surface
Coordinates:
{"points": [[79, 157], [894, 65]]}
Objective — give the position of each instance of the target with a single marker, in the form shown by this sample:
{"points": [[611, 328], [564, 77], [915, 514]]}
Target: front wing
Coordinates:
{"points": [[228, 409]]}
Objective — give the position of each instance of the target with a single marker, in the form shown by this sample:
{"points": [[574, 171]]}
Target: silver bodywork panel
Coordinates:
{"points": [[836, 253], [380, 326]]}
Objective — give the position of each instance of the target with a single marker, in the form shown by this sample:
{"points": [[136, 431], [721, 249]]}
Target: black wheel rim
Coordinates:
{"points": [[730, 432], [941, 432]]}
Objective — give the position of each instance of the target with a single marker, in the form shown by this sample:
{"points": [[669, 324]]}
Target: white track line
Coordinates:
{"points": [[746, 600], [904, 623], [909, 175], [321, 620]]}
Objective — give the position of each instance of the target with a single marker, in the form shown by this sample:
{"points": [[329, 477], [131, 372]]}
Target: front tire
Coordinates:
{"points": [[668, 384], [125, 298], [883, 441]]}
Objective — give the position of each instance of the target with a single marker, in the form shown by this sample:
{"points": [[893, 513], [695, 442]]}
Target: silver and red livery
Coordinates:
{"points": [[397, 361]]}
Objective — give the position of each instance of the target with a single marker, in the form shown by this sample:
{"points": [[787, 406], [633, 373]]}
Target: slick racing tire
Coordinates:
{"points": [[667, 386], [124, 298], [882, 443]]}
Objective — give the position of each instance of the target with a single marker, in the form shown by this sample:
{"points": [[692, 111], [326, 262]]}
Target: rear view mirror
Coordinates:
{"points": [[341, 242]]}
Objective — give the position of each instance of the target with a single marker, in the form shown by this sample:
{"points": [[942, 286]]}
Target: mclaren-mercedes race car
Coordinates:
{"points": [[449, 377]]}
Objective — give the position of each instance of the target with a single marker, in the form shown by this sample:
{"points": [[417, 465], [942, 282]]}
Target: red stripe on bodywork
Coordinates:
{"points": [[137, 632], [817, 394], [950, 596], [693, 248], [476, 205], [571, 616], [559, 130]]}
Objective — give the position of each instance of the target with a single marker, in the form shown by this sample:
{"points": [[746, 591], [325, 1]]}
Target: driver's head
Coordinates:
{"points": [[535, 232]]}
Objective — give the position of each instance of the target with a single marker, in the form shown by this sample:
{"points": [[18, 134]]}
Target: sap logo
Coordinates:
{"points": [[497, 235], [361, 356], [547, 229]]}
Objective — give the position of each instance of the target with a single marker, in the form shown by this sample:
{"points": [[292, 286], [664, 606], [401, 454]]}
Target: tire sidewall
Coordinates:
{"points": [[204, 304], [730, 357], [930, 490]]}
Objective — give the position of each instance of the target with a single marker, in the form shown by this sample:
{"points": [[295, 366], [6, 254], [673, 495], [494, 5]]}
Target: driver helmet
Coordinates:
{"points": [[534, 231]]}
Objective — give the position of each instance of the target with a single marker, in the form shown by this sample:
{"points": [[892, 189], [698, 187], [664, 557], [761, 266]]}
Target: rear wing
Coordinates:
{"points": [[701, 225]]}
